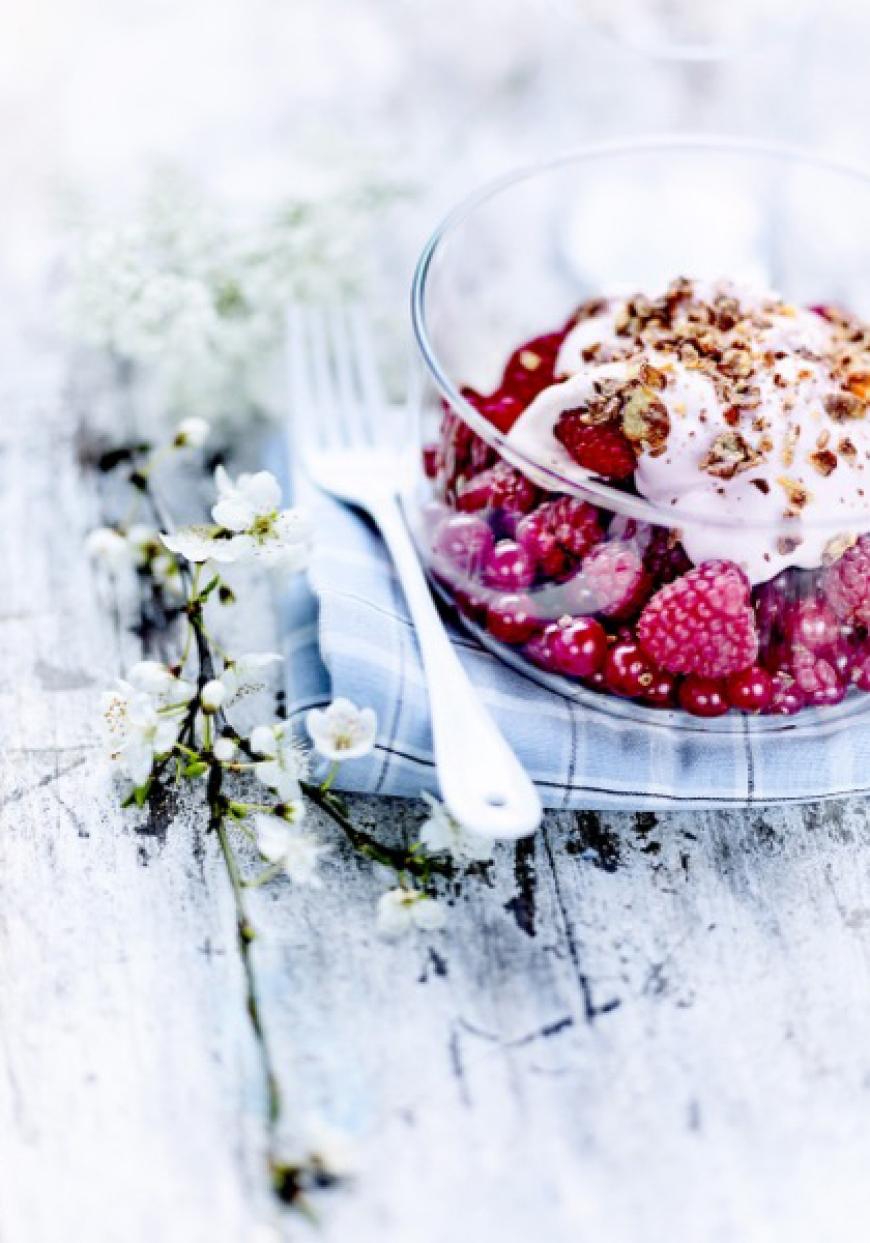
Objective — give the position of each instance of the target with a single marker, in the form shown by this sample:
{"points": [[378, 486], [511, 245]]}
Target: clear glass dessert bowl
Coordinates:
{"points": [[644, 472]]}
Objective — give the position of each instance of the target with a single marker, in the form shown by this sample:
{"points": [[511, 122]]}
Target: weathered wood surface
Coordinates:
{"points": [[634, 1029]]}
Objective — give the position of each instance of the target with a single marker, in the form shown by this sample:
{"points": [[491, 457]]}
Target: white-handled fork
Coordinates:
{"points": [[354, 444]]}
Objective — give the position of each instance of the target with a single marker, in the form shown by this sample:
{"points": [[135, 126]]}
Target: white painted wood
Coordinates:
{"points": [[637, 1029]]}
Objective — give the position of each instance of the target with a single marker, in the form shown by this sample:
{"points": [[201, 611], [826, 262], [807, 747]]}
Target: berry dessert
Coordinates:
{"points": [[737, 424]]}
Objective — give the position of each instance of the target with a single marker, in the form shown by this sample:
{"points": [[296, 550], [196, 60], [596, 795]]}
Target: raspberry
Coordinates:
{"points": [[599, 448], [702, 696], [846, 583], [615, 574], [579, 647], [816, 678], [461, 452], [499, 487], [503, 410], [701, 623], [665, 557], [558, 532], [751, 690], [811, 624], [512, 619], [463, 543], [531, 367], [786, 697], [509, 566]]}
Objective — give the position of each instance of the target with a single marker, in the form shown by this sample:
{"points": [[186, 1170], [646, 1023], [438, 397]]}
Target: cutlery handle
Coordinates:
{"points": [[482, 781]]}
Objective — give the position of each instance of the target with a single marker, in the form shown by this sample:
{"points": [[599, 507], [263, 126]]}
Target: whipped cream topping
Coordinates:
{"points": [[747, 414]]}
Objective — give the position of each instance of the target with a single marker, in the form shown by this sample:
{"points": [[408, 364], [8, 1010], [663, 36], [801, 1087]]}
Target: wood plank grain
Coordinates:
{"points": [[130, 1088]]}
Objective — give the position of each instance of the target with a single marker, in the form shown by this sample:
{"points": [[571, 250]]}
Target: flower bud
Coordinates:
{"points": [[212, 695], [224, 750]]}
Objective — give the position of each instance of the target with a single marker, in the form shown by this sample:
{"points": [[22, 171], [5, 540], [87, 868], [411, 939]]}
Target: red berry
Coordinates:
{"points": [[816, 678], [473, 602], [579, 646], [503, 410], [702, 696], [431, 461], [539, 650], [786, 697], [661, 692], [751, 690], [463, 543], [559, 532], [846, 583], [665, 557], [702, 623], [500, 487], [509, 567], [772, 603], [531, 367], [512, 619], [627, 669], [598, 448], [811, 624], [615, 574]]}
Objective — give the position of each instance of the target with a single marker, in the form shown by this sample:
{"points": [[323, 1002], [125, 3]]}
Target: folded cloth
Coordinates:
{"points": [[348, 633]]}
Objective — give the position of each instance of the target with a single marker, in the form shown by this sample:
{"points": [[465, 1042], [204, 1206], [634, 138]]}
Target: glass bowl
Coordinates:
{"points": [[553, 566]]}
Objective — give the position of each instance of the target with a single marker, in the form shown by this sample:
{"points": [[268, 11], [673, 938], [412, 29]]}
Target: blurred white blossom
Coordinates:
{"points": [[291, 848], [442, 833], [402, 910], [109, 549]]}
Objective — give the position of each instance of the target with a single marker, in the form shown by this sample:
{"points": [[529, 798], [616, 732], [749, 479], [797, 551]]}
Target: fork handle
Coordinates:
{"points": [[482, 781]]}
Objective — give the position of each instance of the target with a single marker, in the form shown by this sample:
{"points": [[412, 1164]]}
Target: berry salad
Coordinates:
{"points": [[739, 424]]}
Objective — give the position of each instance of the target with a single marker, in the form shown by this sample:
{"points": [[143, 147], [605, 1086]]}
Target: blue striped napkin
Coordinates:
{"points": [[347, 633]]}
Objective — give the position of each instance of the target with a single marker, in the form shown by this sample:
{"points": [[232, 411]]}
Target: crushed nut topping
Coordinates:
{"points": [[728, 455], [824, 461], [797, 494], [843, 406]]}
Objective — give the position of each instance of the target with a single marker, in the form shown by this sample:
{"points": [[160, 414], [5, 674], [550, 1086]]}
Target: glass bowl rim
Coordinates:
{"points": [[598, 491]]}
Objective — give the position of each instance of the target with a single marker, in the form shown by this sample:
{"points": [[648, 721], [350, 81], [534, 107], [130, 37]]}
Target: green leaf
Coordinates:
{"points": [[196, 769], [140, 794], [209, 588]]}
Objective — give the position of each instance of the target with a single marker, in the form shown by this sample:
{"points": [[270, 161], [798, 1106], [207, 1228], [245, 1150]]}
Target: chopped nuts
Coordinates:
{"points": [[797, 494], [843, 406], [824, 461], [728, 455]]}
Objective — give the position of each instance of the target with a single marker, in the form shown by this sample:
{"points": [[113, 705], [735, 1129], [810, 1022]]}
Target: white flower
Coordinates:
{"points": [[212, 695], [443, 834], [242, 673], [224, 750], [135, 732], [240, 504], [109, 549], [342, 731], [143, 542], [291, 848], [250, 526], [192, 433], [151, 678], [287, 760], [401, 910]]}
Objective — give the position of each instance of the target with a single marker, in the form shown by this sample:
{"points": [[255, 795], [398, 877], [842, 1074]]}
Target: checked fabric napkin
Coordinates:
{"points": [[347, 633]]}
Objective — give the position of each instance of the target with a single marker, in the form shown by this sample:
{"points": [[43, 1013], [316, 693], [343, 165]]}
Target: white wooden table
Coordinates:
{"points": [[636, 1028]]}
